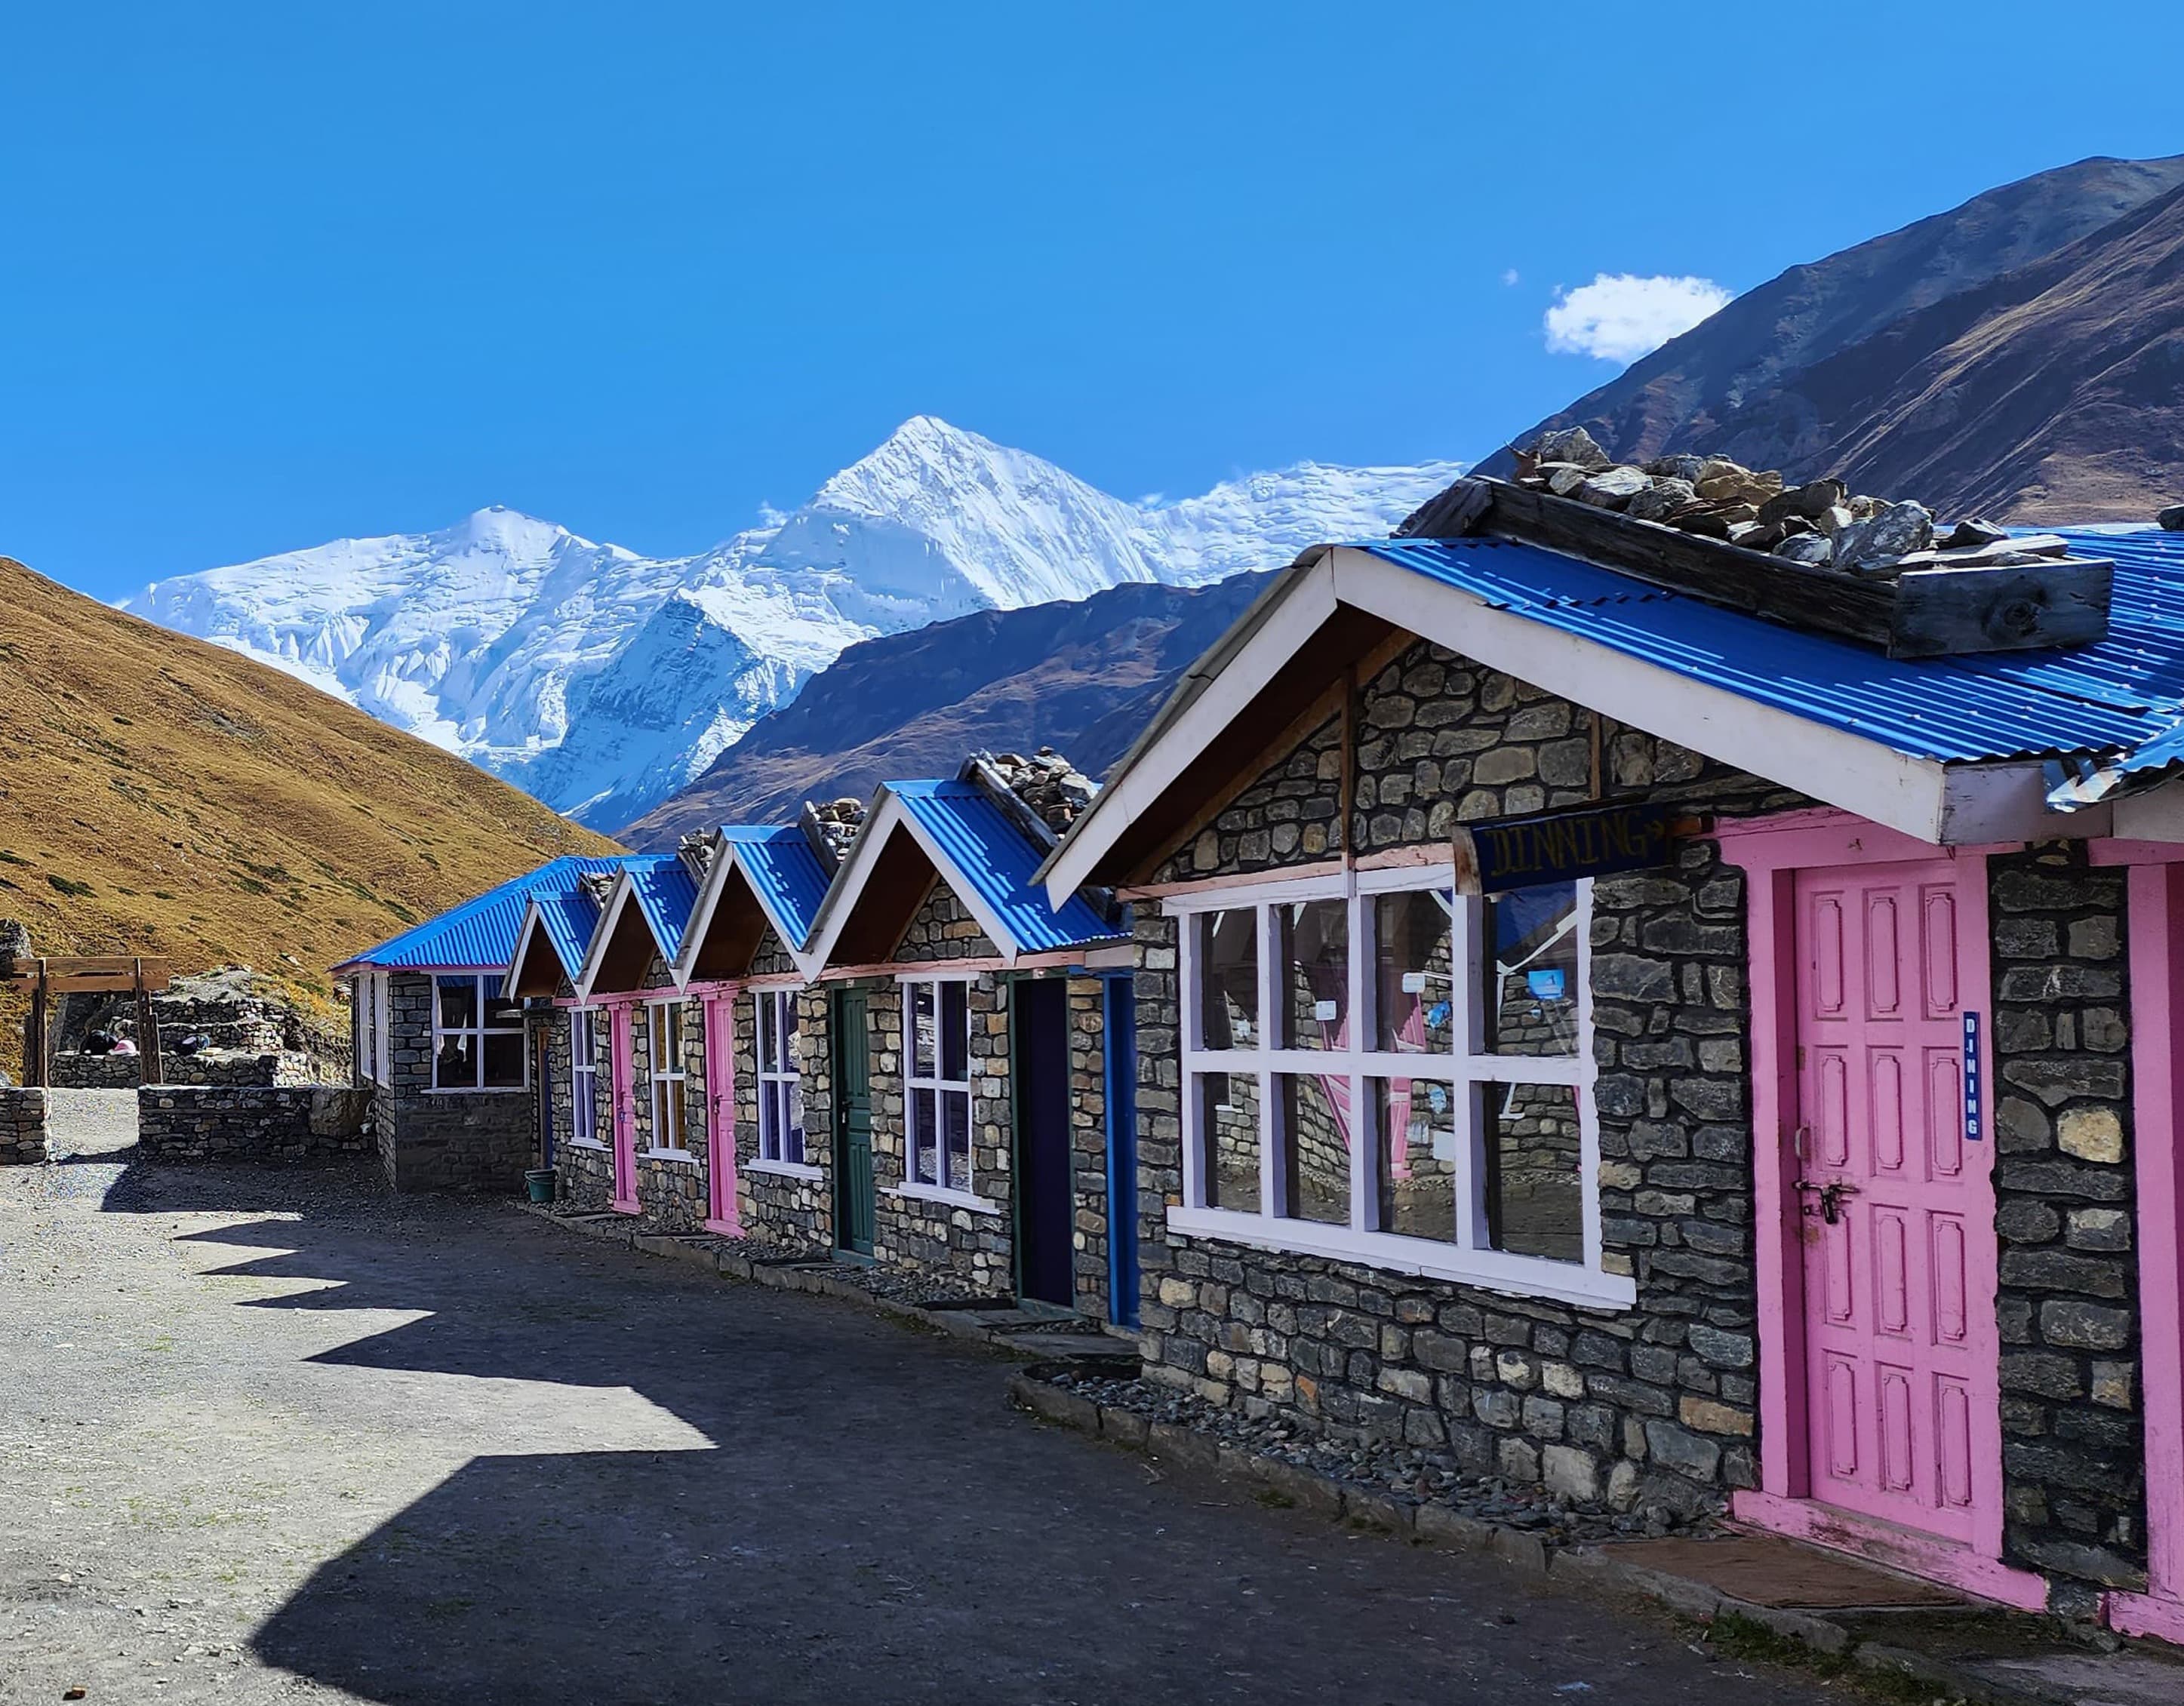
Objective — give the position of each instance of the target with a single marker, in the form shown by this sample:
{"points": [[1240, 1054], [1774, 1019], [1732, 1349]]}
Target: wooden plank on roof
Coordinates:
{"points": [[1923, 611]]}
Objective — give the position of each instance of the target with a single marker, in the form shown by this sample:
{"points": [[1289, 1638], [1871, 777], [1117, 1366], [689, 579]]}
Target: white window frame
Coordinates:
{"points": [[479, 1032], [965, 1086], [1466, 1068], [383, 1000], [584, 1078], [771, 1078], [668, 1081]]}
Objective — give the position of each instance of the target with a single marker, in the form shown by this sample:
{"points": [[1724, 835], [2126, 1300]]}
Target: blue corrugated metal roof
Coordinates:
{"points": [[568, 916], [480, 934], [2122, 695], [784, 871], [662, 886], [986, 853]]}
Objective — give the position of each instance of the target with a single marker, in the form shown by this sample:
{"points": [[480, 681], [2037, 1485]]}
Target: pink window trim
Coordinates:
{"points": [[1771, 851]]}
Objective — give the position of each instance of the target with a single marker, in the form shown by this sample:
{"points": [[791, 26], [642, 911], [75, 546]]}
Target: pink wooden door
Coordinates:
{"points": [[720, 1113], [620, 1052], [1899, 1374]]}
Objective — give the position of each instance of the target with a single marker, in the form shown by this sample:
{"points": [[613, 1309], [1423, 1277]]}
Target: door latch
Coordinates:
{"points": [[1830, 1195]]}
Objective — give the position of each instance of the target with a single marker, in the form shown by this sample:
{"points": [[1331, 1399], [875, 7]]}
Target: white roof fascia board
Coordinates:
{"points": [[1307, 607], [1983, 804], [886, 814], [595, 952], [530, 922], [1843, 770]]}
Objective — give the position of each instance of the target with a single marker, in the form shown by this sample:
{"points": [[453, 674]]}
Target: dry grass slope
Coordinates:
{"points": [[162, 795]]}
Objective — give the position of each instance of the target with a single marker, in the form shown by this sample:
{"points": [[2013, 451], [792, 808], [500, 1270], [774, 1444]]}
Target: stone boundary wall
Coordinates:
{"points": [[23, 1131], [263, 1124], [69, 1069], [76, 1071]]}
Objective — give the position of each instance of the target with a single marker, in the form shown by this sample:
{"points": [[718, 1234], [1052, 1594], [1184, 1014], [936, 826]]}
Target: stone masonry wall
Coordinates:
{"points": [[673, 1185], [1088, 1143], [23, 1127], [2072, 1452], [428, 1140], [585, 1170], [259, 1124], [943, 929], [1651, 1405]]}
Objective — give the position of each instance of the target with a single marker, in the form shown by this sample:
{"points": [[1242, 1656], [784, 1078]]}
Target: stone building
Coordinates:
{"points": [[971, 1023], [443, 1050], [1797, 1137]]}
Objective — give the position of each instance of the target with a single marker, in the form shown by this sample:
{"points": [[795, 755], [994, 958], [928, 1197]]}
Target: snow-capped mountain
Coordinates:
{"points": [[601, 680]]}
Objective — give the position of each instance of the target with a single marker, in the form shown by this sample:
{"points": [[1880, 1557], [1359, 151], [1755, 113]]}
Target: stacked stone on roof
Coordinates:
{"points": [[597, 884], [1820, 524], [835, 822], [1047, 782], [695, 851]]}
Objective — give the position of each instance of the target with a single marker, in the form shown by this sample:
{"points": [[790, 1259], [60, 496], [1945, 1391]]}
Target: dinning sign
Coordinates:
{"points": [[1497, 854]]}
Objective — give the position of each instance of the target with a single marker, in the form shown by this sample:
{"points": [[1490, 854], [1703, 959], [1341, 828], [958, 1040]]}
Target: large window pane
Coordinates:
{"points": [[955, 1136], [955, 1033], [1228, 951], [505, 1013], [459, 1008], [1417, 1121], [1315, 973], [1316, 1130], [454, 1062], [786, 1029], [923, 1132], [1414, 979], [922, 1047], [792, 1135], [503, 1060], [769, 1046], [1229, 1129], [1534, 1192], [1528, 965]]}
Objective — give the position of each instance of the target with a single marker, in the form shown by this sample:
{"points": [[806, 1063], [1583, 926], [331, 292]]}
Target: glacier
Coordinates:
{"points": [[601, 680]]}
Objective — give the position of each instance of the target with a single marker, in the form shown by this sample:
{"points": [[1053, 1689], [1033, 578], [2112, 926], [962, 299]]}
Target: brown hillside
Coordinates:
{"points": [[162, 795]]}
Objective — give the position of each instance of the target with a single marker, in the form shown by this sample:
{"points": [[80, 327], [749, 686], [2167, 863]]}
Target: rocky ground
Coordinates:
{"points": [[272, 1436]]}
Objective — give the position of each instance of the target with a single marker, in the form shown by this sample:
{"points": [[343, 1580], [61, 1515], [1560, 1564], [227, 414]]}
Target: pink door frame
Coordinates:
{"points": [[2155, 910], [1771, 851], [621, 1057], [722, 1214]]}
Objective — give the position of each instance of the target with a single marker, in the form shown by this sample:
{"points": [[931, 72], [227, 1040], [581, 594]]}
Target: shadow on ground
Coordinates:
{"points": [[686, 1491]]}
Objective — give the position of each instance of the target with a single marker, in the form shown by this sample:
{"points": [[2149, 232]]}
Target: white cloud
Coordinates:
{"points": [[1510, 275], [1620, 316]]}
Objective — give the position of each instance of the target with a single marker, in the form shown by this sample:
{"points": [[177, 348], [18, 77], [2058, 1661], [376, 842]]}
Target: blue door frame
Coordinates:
{"points": [[1121, 1031]]}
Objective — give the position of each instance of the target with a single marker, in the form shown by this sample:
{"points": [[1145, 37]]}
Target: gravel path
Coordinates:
{"points": [[278, 1435]]}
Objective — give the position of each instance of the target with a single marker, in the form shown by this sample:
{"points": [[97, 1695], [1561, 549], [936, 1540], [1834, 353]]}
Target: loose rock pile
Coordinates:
{"points": [[695, 850], [2170, 519], [597, 884], [835, 822], [1405, 1472], [1819, 524], [1052, 787]]}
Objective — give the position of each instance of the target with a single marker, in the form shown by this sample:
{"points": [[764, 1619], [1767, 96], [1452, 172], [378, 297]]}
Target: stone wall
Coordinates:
{"points": [[69, 1068], [671, 1184], [74, 1070], [443, 1140], [23, 1126], [585, 1171], [2073, 1453], [1654, 1404], [1088, 1143], [259, 1124], [943, 929]]}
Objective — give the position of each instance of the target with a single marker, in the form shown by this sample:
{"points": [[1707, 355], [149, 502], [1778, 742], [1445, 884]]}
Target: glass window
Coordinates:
{"points": [[1228, 960], [780, 1082], [1529, 968], [583, 1077], [1416, 1127], [666, 1049], [1414, 986], [1315, 1149], [1535, 1194], [477, 1035], [937, 1043], [1315, 963], [1229, 1125], [1458, 1116]]}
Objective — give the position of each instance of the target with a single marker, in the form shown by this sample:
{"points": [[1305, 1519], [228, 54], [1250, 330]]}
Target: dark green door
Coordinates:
{"points": [[853, 1124]]}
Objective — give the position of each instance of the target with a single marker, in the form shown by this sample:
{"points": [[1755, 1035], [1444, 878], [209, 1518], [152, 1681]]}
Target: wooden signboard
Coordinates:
{"points": [[1503, 854]]}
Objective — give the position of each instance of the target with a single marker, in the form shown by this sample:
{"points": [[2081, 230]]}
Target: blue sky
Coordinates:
{"points": [[275, 273]]}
